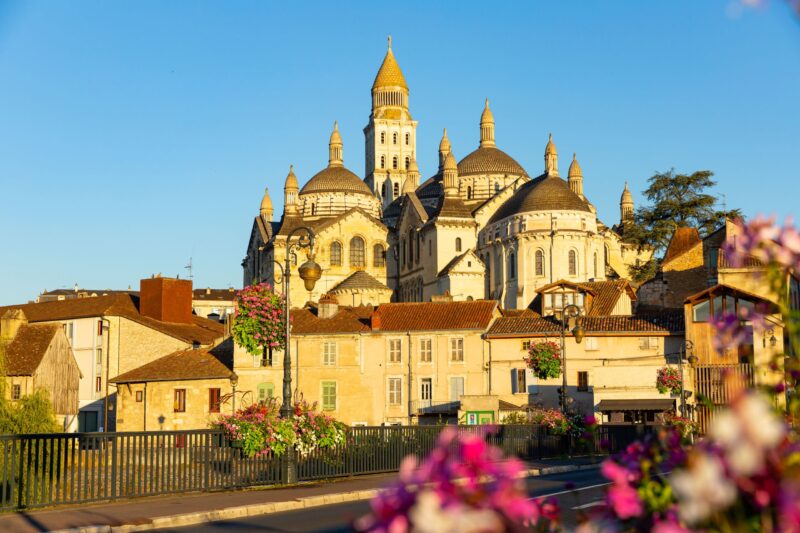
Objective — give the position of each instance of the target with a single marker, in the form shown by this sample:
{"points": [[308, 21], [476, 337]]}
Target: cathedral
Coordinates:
{"points": [[479, 228]]}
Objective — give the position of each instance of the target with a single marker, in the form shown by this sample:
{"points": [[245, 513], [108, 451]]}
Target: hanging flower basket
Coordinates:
{"points": [[668, 379], [544, 358]]}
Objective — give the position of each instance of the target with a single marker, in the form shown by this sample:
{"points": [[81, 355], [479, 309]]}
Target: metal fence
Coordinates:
{"points": [[53, 469]]}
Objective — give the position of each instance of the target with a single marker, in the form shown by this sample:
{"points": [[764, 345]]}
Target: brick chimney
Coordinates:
{"points": [[375, 319], [328, 306], [166, 299]]}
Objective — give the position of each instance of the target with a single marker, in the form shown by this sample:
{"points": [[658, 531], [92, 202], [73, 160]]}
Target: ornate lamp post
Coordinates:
{"points": [[234, 382], [686, 348], [310, 272], [567, 312]]}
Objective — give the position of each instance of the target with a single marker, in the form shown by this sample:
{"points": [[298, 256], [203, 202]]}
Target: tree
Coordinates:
{"points": [[674, 200], [259, 324]]}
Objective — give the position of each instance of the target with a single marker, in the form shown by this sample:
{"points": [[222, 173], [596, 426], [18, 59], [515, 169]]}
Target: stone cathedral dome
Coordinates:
{"points": [[546, 193]]}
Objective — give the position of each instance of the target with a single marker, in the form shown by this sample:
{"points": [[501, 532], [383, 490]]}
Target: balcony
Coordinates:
{"points": [[435, 407]]}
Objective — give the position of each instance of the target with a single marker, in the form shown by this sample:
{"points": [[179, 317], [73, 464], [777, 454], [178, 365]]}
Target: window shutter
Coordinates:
{"points": [[531, 381], [514, 381]]}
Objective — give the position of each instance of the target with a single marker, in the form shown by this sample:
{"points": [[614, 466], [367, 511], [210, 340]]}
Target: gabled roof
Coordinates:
{"points": [[728, 289], [427, 316], [25, 351], [605, 293], [201, 330], [455, 261], [184, 365], [683, 240], [359, 280], [667, 322]]}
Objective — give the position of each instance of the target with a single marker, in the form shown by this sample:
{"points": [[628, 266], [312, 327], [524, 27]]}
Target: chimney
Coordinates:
{"points": [[166, 299], [375, 320], [10, 322], [328, 306]]}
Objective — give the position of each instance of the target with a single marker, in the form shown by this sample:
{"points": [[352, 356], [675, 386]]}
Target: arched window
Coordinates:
{"points": [[539, 263], [313, 209], [595, 265], [394, 138], [383, 137], [357, 252], [336, 254], [408, 139], [496, 186], [458, 244], [378, 256], [573, 263], [396, 190], [511, 266], [419, 247], [383, 161], [394, 162], [469, 193], [407, 161], [410, 246]]}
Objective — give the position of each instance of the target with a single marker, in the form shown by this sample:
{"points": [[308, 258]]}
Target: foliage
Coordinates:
{"points": [[260, 431], [553, 419], [668, 379], [515, 417], [544, 358], [674, 200], [685, 427], [464, 484], [259, 321]]}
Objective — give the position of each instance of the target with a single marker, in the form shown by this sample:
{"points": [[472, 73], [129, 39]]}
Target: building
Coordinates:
{"points": [[478, 228], [214, 304], [115, 333], [39, 357]]}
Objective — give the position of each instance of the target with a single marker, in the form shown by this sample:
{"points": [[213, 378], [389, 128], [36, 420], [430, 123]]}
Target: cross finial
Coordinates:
{"points": [[390, 42]]}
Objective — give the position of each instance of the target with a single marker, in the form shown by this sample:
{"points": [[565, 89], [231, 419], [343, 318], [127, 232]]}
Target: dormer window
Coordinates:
{"points": [[554, 302]]}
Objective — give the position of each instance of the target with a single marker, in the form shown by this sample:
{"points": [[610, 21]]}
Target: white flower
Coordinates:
{"points": [[762, 425], [702, 488], [427, 516]]}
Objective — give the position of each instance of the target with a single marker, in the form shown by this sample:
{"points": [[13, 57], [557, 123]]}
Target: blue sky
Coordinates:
{"points": [[134, 135]]}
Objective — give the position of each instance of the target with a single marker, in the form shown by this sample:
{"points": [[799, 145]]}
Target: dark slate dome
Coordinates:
{"points": [[545, 193], [489, 160], [336, 179]]}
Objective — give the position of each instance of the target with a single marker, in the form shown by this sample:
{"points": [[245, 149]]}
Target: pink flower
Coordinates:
{"points": [[624, 500]]}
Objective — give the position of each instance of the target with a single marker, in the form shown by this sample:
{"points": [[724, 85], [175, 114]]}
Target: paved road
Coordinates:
{"points": [[336, 518]]}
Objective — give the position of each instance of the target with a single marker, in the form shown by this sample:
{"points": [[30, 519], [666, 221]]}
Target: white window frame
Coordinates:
{"points": [[429, 351], [329, 356], [450, 386], [592, 344], [390, 393], [452, 350], [391, 351]]}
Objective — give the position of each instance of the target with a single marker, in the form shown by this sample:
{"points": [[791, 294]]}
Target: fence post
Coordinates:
{"points": [[113, 467]]}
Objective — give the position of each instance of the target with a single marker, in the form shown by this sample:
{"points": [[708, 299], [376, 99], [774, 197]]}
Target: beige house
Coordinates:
{"points": [[113, 334], [479, 228], [187, 389], [214, 304], [39, 357]]}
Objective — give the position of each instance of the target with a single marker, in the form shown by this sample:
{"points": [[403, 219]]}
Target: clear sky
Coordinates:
{"points": [[135, 135]]}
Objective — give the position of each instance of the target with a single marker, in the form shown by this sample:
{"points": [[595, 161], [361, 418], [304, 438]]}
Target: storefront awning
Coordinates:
{"points": [[636, 405]]}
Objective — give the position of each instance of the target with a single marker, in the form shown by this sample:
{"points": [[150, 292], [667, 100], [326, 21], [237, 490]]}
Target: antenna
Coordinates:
{"points": [[189, 268]]}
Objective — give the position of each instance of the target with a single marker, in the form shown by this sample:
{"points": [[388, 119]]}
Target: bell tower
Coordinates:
{"points": [[391, 134]]}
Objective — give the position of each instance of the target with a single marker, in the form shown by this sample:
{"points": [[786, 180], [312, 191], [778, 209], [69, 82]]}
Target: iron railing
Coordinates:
{"points": [[52, 469]]}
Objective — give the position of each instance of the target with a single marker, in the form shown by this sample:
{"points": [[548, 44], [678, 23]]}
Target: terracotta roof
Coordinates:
{"points": [[669, 322], [683, 240], [201, 330], [360, 280], [489, 160], [605, 293], [214, 294], [347, 320], [25, 352], [545, 193], [427, 316], [214, 363]]}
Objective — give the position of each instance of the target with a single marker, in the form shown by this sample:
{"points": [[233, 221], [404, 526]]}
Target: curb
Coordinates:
{"points": [[202, 517]]}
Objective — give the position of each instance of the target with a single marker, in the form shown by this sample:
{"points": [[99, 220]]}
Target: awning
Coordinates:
{"points": [[636, 405]]}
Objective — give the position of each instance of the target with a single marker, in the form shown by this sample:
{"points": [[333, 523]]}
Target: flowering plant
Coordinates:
{"points": [[260, 431], [464, 484], [553, 419], [668, 379], [544, 358], [259, 322]]}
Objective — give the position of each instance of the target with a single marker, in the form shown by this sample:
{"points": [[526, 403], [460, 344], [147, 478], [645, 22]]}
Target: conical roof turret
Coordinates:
{"points": [[389, 75], [575, 167], [487, 126]]}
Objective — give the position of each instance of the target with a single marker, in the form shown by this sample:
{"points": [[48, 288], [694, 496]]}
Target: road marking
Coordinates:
{"points": [[571, 491], [595, 503]]}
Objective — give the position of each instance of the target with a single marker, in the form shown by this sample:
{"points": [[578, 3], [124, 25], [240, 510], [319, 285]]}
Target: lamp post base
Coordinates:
{"points": [[289, 467]]}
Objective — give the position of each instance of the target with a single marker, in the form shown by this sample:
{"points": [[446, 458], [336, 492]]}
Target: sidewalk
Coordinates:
{"points": [[186, 509]]}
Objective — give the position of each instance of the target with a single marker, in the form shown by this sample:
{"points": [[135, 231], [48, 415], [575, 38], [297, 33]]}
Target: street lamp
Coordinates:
{"points": [[234, 382], [567, 312], [686, 347], [310, 272]]}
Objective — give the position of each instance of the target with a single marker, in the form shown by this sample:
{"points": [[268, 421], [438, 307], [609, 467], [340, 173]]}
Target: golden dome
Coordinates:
{"points": [[545, 193], [487, 116], [266, 202], [489, 160], [551, 147], [444, 144], [574, 167], [450, 162], [389, 75], [336, 179], [627, 197], [291, 180]]}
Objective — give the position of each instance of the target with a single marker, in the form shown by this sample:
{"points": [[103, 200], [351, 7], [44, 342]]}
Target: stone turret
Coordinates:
{"points": [[290, 190], [551, 158], [576, 176], [487, 126]]}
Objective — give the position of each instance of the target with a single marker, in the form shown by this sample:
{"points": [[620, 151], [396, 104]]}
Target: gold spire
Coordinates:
{"points": [[444, 149], [575, 167], [389, 75], [291, 179], [551, 158], [551, 147], [627, 197], [487, 126], [412, 177], [335, 147], [450, 178], [290, 189]]}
